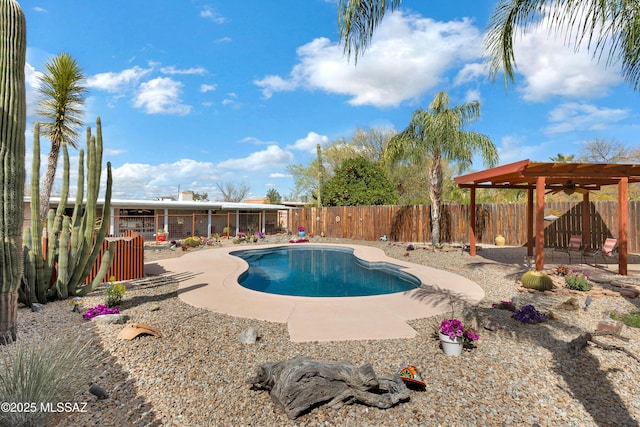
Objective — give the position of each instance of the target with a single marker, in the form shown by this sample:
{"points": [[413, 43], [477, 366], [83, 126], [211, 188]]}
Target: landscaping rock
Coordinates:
{"points": [[248, 336], [37, 307], [610, 325], [115, 319]]}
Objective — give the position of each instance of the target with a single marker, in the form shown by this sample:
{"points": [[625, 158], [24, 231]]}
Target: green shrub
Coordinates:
{"points": [[577, 281], [536, 280], [192, 242], [114, 292], [41, 371], [630, 319]]}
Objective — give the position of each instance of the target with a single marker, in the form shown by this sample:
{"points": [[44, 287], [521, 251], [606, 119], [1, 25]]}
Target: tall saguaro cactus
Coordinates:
{"points": [[13, 50]]}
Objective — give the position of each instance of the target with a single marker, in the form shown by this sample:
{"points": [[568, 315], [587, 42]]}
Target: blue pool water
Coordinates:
{"points": [[313, 271]]}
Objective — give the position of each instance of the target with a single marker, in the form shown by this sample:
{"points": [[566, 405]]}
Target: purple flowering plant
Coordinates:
{"points": [[528, 314], [454, 328], [301, 228], [99, 310]]}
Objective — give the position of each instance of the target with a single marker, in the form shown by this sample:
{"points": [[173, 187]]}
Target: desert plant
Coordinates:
{"points": [[40, 372], [192, 242], [74, 242], [562, 270], [100, 310], [505, 305], [536, 280], [630, 319], [528, 314], [577, 281], [114, 292], [13, 50]]}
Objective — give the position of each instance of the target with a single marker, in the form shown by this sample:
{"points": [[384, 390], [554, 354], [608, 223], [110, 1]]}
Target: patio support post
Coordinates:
{"points": [[586, 221], [472, 222], [237, 221], [166, 220], [208, 223], [112, 221], [540, 223], [530, 235], [623, 224]]}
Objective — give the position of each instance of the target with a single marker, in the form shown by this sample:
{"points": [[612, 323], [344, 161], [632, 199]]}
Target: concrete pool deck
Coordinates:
{"points": [[212, 284]]}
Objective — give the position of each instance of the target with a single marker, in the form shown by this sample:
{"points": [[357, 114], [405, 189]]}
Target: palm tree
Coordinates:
{"points": [[438, 135], [61, 105], [610, 29], [563, 158]]}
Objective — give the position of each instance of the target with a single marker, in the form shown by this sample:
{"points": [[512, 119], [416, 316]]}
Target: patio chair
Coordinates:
{"points": [[575, 245], [608, 250]]}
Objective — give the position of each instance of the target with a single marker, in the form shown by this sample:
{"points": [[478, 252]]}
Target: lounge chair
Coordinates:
{"points": [[575, 245], [608, 250]]}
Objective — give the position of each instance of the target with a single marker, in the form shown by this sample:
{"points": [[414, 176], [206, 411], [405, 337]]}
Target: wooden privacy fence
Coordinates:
{"points": [[413, 223], [128, 259]]}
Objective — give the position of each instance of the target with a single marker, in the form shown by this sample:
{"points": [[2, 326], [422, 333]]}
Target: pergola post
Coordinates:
{"points": [[540, 223], [586, 221], [530, 236], [623, 224], [472, 222]]}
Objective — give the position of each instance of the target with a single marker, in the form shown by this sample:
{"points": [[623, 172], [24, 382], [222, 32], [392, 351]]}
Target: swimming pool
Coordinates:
{"points": [[314, 271]]}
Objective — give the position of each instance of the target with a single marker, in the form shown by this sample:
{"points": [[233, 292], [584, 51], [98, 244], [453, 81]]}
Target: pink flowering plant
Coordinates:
{"points": [[577, 280], [99, 310], [301, 228], [455, 329]]}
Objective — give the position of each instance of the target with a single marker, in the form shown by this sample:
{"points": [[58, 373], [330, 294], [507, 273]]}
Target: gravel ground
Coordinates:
{"points": [[195, 375]]}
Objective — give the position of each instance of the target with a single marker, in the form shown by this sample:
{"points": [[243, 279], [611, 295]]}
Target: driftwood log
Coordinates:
{"points": [[298, 385], [580, 342]]}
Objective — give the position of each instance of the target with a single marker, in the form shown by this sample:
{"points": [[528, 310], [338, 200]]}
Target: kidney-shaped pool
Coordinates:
{"points": [[314, 271]]}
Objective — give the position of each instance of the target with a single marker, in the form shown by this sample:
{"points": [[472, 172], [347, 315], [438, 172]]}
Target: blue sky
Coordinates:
{"points": [[193, 92]]}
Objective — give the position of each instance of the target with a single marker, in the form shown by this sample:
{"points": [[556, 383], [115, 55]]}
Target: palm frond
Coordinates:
{"points": [[358, 19]]}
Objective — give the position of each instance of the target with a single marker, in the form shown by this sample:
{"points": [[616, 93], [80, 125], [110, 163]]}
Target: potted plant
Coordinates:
{"points": [[161, 235], [302, 231], [454, 335]]}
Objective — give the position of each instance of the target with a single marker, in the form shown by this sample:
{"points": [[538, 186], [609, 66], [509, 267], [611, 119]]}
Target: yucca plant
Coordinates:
{"points": [[41, 371]]}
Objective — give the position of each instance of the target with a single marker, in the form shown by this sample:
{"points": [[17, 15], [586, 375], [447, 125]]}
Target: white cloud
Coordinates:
{"points": [[309, 142], [272, 155], [193, 70], [512, 149], [551, 67], [212, 15], [143, 180], [116, 82], [574, 116], [408, 56], [204, 88], [279, 175], [161, 96]]}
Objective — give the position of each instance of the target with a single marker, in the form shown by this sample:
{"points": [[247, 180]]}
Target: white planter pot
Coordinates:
{"points": [[451, 347]]}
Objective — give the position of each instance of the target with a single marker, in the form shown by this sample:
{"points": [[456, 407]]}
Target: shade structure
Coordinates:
{"points": [[540, 178]]}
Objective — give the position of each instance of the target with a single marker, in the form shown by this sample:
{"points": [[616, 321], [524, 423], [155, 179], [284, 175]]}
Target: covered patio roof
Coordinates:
{"points": [[568, 177]]}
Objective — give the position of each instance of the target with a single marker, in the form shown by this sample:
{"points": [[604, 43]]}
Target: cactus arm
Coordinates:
{"points": [[104, 225], [104, 268], [62, 281]]}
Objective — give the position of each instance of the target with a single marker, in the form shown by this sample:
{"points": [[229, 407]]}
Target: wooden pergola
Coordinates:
{"points": [[543, 177]]}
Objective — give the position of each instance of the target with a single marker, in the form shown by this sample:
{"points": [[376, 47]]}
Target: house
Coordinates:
{"points": [[184, 217]]}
